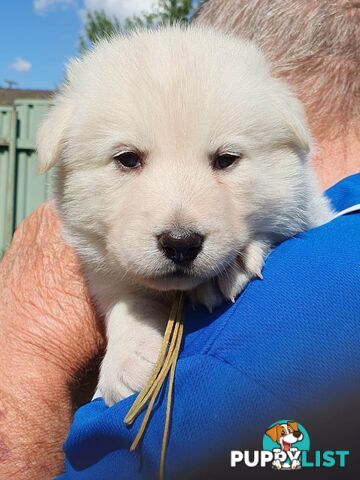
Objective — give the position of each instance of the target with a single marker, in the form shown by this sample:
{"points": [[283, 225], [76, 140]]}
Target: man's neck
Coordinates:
{"points": [[336, 159]]}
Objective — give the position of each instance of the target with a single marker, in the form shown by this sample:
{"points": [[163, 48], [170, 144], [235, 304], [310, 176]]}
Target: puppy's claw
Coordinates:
{"points": [[254, 258], [233, 281], [207, 295]]}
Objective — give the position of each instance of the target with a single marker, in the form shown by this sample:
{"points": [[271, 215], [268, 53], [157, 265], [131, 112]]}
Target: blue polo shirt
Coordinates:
{"points": [[289, 345]]}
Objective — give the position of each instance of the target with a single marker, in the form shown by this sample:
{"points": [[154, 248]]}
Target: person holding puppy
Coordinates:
{"points": [[34, 318]]}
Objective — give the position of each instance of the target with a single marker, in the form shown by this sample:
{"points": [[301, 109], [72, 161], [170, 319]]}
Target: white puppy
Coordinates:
{"points": [[180, 162]]}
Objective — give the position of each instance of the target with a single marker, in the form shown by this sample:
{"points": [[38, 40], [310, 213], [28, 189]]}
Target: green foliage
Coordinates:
{"points": [[98, 25], [165, 12]]}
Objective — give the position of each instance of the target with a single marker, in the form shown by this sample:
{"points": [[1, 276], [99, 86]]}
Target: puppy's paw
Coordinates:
{"points": [[127, 366], [246, 267], [208, 295], [295, 465]]}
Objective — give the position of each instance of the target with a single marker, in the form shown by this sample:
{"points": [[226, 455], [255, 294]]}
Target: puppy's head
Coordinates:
{"points": [[174, 148], [285, 434]]}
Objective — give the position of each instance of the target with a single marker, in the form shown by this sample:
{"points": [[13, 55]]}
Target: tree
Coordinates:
{"points": [[166, 12], [97, 26]]}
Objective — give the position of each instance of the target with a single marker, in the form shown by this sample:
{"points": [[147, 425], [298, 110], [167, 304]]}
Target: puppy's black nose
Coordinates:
{"points": [[181, 246], [297, 433]]}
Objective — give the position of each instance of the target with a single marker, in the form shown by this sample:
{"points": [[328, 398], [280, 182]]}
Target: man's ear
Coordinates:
{"points": [[272, 432], [50, 137]]}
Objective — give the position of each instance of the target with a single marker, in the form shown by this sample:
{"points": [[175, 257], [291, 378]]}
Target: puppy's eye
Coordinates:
{"points": [[225, 160], [128, 160]]}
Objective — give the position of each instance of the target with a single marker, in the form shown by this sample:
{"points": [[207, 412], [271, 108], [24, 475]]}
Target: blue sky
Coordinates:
{"points": [[37, 37]]}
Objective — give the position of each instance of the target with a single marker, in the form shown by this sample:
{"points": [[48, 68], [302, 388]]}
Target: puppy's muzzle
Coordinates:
{"points": [[180, 245]]}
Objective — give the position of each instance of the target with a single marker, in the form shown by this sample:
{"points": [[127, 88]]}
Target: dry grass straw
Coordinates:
{"points": [[165, 366]]}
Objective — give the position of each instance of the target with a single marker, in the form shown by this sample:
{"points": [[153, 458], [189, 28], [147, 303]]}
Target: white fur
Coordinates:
{"points": [[177, 95]]}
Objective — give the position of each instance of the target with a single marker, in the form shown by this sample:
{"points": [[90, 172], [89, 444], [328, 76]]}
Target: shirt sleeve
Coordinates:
{"points": [[226, 408]]}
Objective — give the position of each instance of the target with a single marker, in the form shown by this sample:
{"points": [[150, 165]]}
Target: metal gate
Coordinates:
{"points": [[21, 188]]}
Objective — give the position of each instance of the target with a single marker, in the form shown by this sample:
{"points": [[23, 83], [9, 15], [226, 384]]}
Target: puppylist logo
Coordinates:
{"points": [[287, 440], [286, 446]]}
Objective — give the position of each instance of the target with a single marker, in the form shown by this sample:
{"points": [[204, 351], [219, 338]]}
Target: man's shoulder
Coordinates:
{"points": [[311, 276], [345, 193]]}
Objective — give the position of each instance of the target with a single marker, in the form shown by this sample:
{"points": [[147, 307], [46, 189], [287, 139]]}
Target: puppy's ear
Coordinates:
{"points": [[293, 425], [297, 124], [273, 433], [294, 119], [51, 135]]}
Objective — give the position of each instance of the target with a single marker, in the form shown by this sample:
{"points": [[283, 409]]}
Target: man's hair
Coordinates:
{"points": [[314, 45]]}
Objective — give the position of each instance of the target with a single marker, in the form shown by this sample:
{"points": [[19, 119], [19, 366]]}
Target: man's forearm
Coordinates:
{"points": [[48, 333], [35, 413]]}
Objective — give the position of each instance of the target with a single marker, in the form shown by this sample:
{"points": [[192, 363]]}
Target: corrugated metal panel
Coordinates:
{"points": [[7, 175], [29, 114], [21, 189], [4, 172], [31, 189]]}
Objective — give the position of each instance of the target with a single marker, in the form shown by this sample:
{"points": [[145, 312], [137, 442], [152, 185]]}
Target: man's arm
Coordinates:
{"points": [[49, 332]]}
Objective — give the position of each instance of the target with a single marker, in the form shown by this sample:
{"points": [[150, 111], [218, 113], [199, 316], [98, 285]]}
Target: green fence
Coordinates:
{"points": [[21, 189]]}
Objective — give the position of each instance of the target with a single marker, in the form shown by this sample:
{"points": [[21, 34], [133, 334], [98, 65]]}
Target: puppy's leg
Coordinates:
{"points": [[246, 267], [135, 330], [207, 294]]}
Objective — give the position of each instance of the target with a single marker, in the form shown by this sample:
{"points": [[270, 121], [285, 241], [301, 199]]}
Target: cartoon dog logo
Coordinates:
{"points": [[285, 435]]}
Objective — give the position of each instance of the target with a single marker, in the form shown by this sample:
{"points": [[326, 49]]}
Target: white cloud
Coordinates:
{"points": [[21, 65], [42, 6], [119, 8]]}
